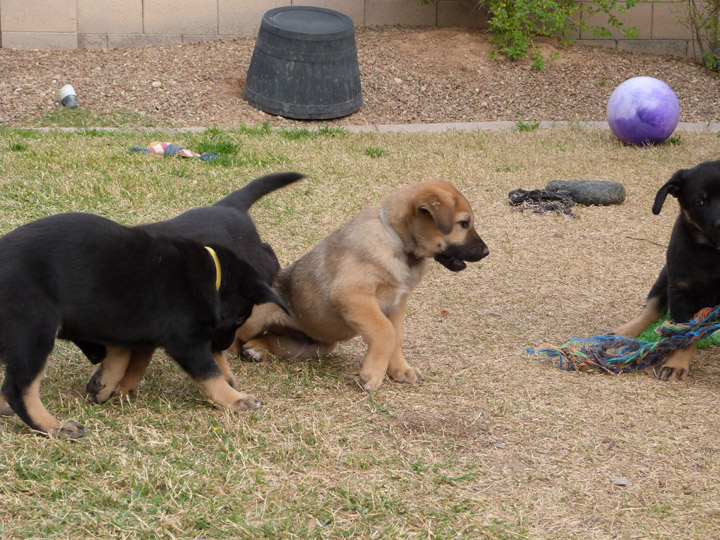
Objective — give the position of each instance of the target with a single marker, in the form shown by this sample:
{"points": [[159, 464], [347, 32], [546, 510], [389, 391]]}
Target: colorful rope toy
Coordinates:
{"points": [[615, 354]]}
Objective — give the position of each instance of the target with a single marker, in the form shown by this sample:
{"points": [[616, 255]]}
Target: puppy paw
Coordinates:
{"points": [[73, 430], [371, 381], [672, 373], [406, 375], [5, 408], [96, 391], [251, 354], [247, 403]]}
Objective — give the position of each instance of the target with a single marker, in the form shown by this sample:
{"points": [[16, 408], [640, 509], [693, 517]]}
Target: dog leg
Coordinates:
{"points": [[652, 311], [199, 363], [221, 357], [399, 369], [254, 327], [217, 390], [5, 408], [25, 364], [677, 366], [27, 405], [258, 349], [104, 381], [363, 314], [139, 362]]}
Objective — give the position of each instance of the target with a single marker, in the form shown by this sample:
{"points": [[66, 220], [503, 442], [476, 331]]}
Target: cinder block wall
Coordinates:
{"points": [[71, 24]]}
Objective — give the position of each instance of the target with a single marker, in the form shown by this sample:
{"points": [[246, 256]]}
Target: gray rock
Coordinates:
{"points": [[589, 192]]}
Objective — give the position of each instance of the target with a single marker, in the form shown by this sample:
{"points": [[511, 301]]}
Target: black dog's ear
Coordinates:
{"points": [[264, 295], [672, 186]]}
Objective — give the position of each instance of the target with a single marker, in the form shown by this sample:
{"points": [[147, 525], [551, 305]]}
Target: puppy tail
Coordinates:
{"points": [[243, 198]]}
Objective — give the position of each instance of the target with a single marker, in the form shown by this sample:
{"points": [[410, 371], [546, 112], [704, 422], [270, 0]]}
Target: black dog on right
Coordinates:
{"points": [[225, 223], [690, 279]]}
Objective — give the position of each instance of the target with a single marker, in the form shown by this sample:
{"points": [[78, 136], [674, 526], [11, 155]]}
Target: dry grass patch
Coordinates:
{"points": [[494, 444]]}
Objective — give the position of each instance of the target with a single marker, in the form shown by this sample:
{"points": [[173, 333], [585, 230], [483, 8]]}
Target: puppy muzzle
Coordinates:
{"points": [[454, 256]]}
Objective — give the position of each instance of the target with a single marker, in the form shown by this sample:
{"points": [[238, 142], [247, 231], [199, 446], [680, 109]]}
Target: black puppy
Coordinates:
{"points": [[690, 279], [224, 223], [88, 279]]}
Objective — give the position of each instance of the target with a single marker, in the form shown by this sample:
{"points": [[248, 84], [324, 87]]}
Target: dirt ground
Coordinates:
{"points": [[408, 75]]}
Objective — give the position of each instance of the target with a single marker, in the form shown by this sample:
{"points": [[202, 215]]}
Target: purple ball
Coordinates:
{"points": [[643, 110]]}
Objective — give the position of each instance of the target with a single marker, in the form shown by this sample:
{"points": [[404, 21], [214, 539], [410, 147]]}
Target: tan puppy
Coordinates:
{"points": [[357, 281]]}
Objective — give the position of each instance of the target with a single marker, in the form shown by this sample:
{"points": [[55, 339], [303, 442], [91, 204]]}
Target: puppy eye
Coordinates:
{"points": [[700, 202], [465, 224]]}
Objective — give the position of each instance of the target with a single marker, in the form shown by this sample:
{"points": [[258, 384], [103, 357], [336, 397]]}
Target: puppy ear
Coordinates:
{"points": [[672, 186], [265, 295], [441, 209]]}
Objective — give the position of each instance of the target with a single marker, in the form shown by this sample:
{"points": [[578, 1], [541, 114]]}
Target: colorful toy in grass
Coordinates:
{"points": [[166, 149], [643, 111], [616, 354]]}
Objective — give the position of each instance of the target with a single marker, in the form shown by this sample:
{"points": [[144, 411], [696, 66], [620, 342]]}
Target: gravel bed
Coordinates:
{"points": [[409, 75]]}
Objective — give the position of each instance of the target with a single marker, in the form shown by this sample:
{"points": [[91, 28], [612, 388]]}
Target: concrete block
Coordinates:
{"points": [[170, 17], [465, 13], [50, 41], [394, 12], [122, 41], [54, 16], [670, 47], [668, 21], [199, 38], [243, 17], [355, 9], [92, 41], [607, 43], [110, 16], [639, 16]]}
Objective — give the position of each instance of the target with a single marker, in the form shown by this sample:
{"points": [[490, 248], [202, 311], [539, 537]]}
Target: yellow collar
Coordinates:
{"points": [[218, 274]]}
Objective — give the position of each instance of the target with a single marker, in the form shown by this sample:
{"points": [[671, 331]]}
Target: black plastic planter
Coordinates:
{"points": [[304, 64]]}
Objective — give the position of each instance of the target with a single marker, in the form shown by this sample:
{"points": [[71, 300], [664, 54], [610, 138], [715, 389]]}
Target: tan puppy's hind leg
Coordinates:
{"points": [[258, 349]]}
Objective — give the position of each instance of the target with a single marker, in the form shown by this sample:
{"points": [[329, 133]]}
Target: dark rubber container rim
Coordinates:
{"points": [[273, 23]]}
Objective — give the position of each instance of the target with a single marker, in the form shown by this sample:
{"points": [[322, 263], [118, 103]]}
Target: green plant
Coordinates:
{"points": [[673, 141], [375, 152], [703, 18], [526, 126], [513, 25]]}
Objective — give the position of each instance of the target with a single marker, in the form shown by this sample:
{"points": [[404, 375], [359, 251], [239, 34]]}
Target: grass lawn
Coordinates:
{"points": [[493, 444]]}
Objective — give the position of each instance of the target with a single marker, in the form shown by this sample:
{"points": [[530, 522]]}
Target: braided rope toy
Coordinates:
{"points": [[615, 354]]}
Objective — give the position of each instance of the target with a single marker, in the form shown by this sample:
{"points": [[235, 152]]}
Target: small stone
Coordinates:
{"points": [[619, 481], [156, 84], [590, 192]]}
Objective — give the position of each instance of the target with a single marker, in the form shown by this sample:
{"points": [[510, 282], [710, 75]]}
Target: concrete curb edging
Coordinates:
{"points": [[497, 126], [713, 127]]}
